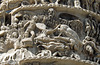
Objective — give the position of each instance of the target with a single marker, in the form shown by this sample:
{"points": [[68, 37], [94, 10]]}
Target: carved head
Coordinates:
{"points": [[3, 28], [35, 18], [14, 25], [51, 11], [20, 24], [87, 38], [89, 49], [26, 34], [14, 34]]}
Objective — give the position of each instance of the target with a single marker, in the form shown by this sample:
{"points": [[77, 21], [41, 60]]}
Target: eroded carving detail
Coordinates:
{"points": [[40, 29]]}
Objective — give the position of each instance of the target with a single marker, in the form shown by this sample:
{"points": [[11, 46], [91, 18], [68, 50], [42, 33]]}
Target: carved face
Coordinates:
{"points": [[15, 25], [20, 24], [26, 34], [35, 18], [15, 34], [89, 49], [51, 11]]}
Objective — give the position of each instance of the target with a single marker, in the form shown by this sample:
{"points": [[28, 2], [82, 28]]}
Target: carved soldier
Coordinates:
{"points": [[4, 31], [90, 52], [12, 41], [30, 25], [27, 41], [89, 49], [68, 31], [51, 12], [21, 29], [51, 18]]}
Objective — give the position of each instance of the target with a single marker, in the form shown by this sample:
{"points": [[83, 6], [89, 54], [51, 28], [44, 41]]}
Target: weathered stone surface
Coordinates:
{"points": [[50, 32]]}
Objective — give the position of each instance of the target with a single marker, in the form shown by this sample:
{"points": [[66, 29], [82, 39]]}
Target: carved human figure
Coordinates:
{"points": [[27, 40], [51, 18], [21, 29], [68, 31], [11, 41], [89, 49], [51, 12], [96, 6], [76, 3], [14, 25], [46, 53], [14, 34], [71, 2], [3, 6], [3, 35], [89, 4], [4, 31], [31, 24]]}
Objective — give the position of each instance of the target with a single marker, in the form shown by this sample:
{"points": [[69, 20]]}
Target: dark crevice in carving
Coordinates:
{"points": [[25, 3], [68, 16], [41, 47], [8, 19]]}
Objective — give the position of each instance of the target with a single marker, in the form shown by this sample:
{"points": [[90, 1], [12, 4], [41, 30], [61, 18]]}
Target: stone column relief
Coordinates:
{"points": [[49, 32]]}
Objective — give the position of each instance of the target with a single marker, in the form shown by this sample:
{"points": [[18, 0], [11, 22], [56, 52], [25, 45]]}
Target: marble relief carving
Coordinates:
{"points": [[49, 32]]}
